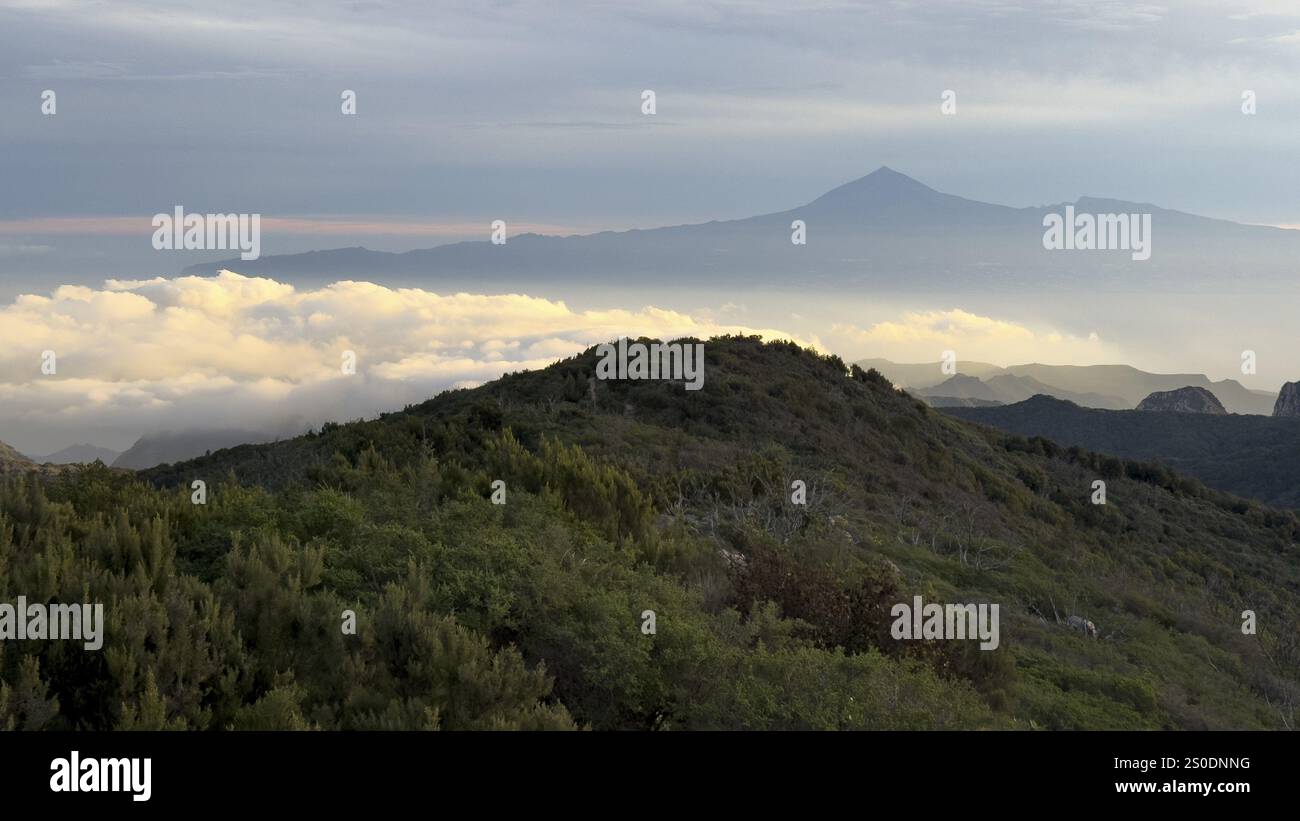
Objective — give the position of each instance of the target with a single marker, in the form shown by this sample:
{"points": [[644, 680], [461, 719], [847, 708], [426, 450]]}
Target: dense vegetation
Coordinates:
{"points": [[624, 497], [1253, 456]]}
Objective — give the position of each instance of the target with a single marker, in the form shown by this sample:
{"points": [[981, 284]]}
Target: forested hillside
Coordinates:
{"points": [[1253, 456], [627, 497]]}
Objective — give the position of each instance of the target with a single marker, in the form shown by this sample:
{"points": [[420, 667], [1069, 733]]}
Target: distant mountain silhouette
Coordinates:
{"points": [[167, 448], [917, 375], [1006, 388], [1115, 387], [1253, 456], [885, 230], [960, 386], [959, 402], [81, 455], [1134, 385]]}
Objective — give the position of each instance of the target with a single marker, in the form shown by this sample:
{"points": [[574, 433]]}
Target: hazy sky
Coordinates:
{"points": [[469, 111]]}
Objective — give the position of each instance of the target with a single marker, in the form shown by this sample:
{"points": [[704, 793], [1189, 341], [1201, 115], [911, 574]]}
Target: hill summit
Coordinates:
{"points": [[1183, 400], [553, 550]]}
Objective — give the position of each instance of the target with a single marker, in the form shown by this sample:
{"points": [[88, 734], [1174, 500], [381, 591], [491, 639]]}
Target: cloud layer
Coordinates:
{"points": [[923, 336], [240, 352], [236, 352]]}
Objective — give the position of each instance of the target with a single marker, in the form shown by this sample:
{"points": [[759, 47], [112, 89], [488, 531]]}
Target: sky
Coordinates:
{"points": [[472, 111], [532, 113]]}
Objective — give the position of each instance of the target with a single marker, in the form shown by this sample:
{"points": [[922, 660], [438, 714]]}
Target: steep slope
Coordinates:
{"points": [[964, 514], [1253, 456], [1288, 401], [11, 461]]}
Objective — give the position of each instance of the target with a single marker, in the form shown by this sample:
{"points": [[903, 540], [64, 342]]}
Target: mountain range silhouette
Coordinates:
{"points": [[886, 231]]}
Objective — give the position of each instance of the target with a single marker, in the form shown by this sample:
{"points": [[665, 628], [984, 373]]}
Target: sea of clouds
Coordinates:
{"points": [[227, 352], [251, 353]]}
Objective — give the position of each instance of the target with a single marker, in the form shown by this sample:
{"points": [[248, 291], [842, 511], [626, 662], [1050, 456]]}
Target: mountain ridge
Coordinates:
{"points": [[1252, 456], [871, 231], [1114, 383]]}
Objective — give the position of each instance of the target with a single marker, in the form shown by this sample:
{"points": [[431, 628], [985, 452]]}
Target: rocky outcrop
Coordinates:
{"points": [[1082, 625], [1183, 400], [1288, 401]]}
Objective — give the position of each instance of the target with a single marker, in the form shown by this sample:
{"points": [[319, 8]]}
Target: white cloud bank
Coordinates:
{"points": [[236, 352], [240, 352], [923, 336]]}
